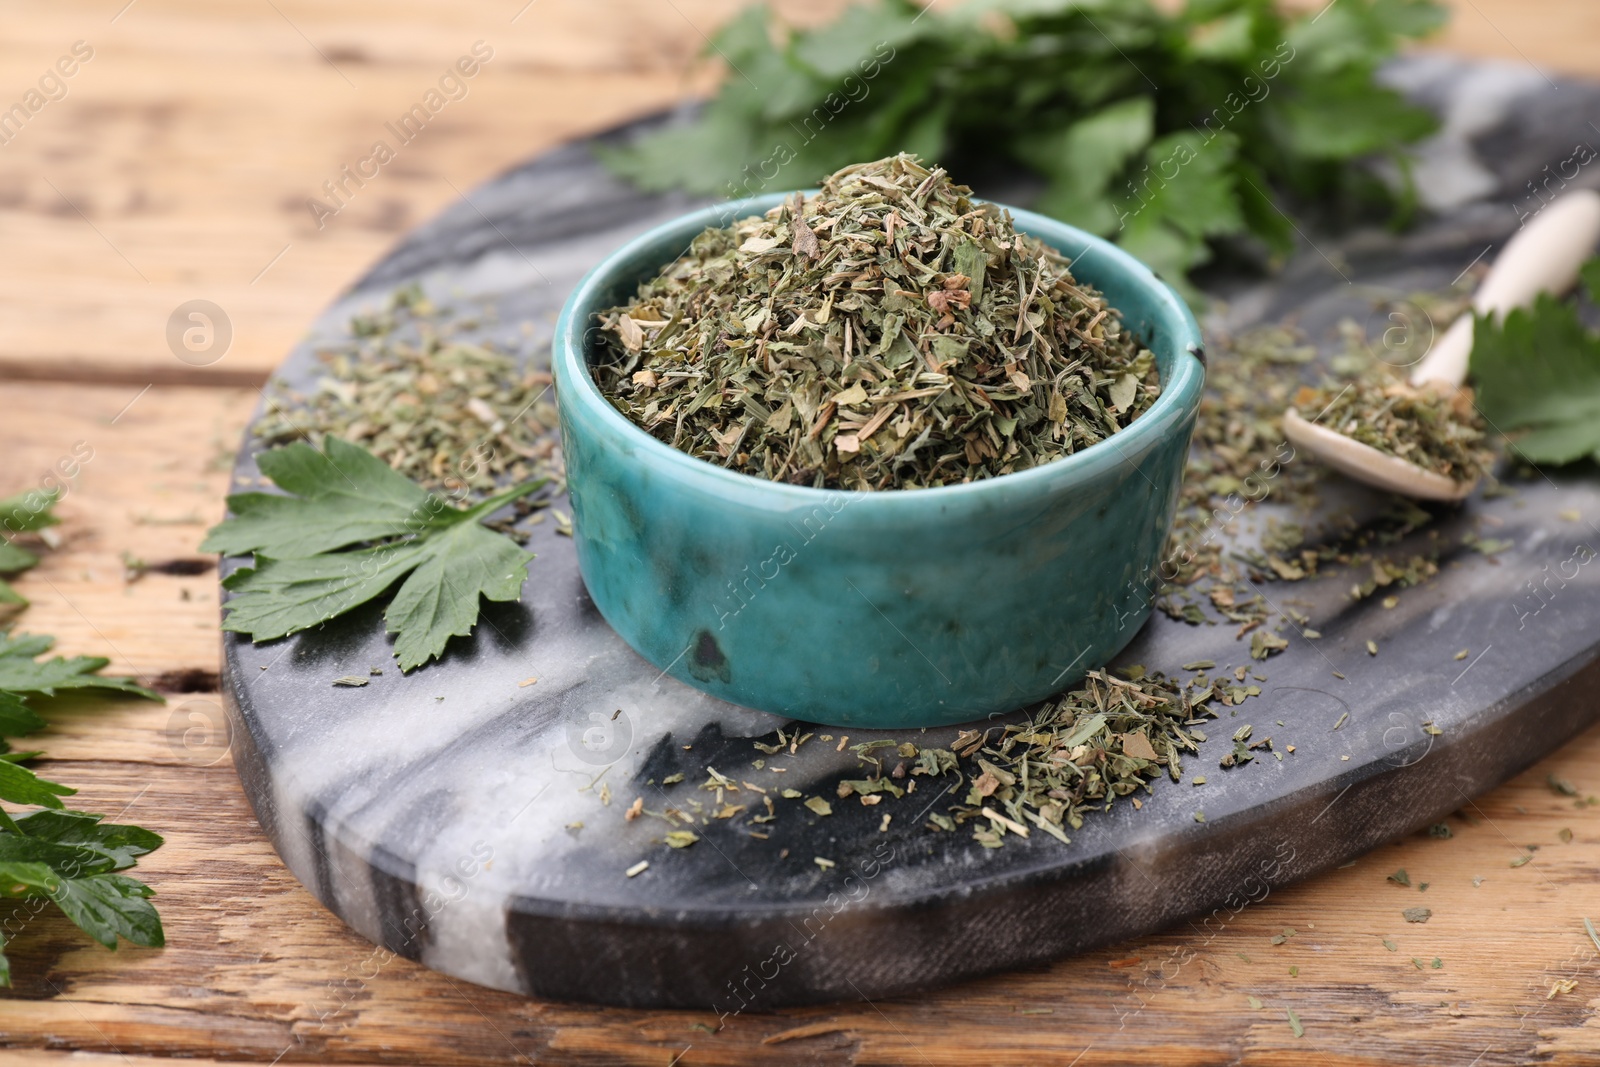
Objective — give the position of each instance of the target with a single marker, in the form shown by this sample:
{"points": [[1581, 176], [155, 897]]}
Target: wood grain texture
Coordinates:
{"points": [[179, 164], [177, 167]]}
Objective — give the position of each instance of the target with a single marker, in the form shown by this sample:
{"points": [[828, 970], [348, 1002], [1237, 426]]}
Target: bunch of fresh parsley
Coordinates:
{"points": [[1166, 131], [1538, 376], [350, 529], [69, 858]]}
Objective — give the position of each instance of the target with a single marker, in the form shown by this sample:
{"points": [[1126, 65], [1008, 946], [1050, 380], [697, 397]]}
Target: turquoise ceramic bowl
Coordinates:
{"points": [[889, 609]]}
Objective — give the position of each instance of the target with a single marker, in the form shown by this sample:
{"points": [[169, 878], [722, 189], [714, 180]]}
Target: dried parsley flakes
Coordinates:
{"points": [[1435, 428], [451, 414], [889, 333], [1076, 753]]}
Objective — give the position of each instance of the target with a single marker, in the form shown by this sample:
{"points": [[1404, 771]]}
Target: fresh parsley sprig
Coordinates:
{"points": [[1537, 373], [1167, 130], [69, 858], [350, 529]]}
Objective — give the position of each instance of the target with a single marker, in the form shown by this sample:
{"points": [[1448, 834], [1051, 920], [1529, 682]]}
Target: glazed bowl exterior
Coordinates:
{"points": [[875, 609]]}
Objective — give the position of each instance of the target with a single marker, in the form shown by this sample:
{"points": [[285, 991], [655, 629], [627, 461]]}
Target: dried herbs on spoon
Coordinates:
{"points": [[1435, 428], [889, 333]]}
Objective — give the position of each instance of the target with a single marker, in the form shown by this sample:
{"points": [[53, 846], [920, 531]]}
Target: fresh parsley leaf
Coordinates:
{"points": [[28, 512], [1589, 274], [20, 674], [440, 599], [105, 906], [1538, 371], [24, 878], [1083, 159], [1166, 222], [117, 842], [14, 559], [16, 718], [440, 556], [340, 497], [23, 513], [21, 786], [1346, 116], [69, 861], [11, 600]]}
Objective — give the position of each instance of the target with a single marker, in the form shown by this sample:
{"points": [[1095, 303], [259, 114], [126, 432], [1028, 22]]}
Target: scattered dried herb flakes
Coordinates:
{"points": [[1522, 860], [1560, 786], [1294, 1023], [1390, 945], [1239, 456], [1077, 752], [1417, 915], [681, 838], [351, 681], [1487, 546], [888, 333], [446, 412], [1400, 877]]}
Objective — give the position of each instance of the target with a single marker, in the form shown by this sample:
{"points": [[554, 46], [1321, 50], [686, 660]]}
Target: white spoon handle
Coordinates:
{"points": [[1544, 256]]}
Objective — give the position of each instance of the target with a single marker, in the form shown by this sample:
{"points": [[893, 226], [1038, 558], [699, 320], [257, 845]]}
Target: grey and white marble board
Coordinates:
{"points": [[433, 812]]}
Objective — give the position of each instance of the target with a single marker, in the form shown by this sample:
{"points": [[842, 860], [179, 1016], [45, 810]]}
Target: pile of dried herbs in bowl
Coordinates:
{"points": [[888, 333], [1433, 427]]}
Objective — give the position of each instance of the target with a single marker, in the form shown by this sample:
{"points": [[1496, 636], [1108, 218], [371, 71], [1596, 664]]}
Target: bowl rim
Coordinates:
{"points": [[575, 383]]}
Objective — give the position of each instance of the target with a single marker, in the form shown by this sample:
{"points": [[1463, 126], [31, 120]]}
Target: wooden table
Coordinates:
{"points": [[177, 167]]}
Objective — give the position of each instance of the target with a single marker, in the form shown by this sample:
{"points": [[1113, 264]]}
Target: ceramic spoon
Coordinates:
{"points": [[1544, 256]]}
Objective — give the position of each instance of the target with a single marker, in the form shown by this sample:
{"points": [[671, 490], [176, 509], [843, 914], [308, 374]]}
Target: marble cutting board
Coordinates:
{"points": [[434, 812]]}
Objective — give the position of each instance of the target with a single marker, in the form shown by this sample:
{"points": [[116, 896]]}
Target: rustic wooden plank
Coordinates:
{"points": [[180, 162], [151, 472], [255, 967]]}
